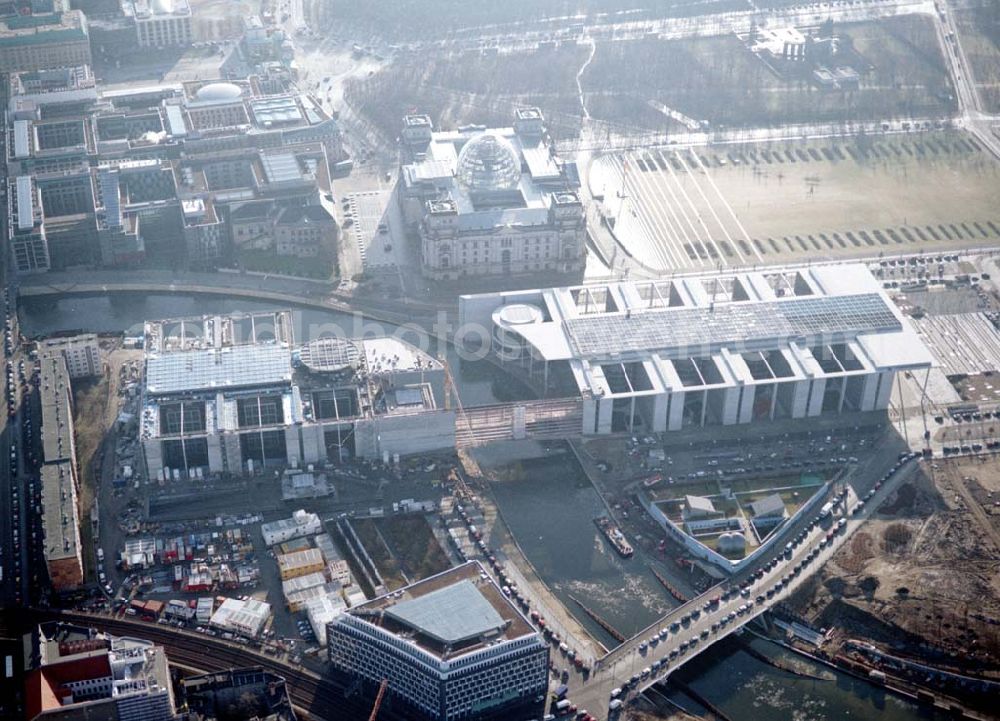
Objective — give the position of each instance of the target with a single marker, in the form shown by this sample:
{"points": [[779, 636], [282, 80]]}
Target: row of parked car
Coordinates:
{"points": [[746, 589]]}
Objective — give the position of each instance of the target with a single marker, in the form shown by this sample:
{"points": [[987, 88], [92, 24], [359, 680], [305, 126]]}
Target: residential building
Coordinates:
{"points": [[451, 646], [60, 512], [61, 526], [43, 40], [491, 202], [706, 349], [78, 673], [82, 354]]}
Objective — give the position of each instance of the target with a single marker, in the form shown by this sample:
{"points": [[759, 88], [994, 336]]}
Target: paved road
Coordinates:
{"points": [[971, 114], [637, 653]]}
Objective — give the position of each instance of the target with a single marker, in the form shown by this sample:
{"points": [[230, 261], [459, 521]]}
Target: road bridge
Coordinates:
{"points": [[688, 630]]}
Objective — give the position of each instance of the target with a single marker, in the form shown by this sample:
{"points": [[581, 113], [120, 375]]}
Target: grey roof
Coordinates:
{"points": [[276, 110], [254, 210], [25, 203], [281, 167], [700, 503], [59, 520], [830, 318], [449, 615], [768, 506], [292, 214], [175, 120], [219, 368], [22, 145]]}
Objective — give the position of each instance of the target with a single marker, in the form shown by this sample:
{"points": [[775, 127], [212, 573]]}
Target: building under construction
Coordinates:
{"points": [[233, 394]]}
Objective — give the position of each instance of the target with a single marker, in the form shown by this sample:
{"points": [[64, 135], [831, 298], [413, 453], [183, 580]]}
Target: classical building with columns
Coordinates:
{"points": [[701, 350], [491, 202]]}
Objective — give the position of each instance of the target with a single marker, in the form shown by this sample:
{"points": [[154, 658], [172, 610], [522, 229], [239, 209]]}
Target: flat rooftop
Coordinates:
{"points": [[449, 615], [60, 522], [57, 414], [746, 324], [390, 354], [698, 315], [457, 611], [219, 369]]}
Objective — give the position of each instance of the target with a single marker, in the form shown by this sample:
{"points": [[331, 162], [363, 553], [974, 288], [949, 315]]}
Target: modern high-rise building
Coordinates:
{"points": [[451, 647], [77, 674]]}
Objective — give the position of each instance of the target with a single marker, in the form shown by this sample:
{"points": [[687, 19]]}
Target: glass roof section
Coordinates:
{"points": [[218, 369], [753, 325]]}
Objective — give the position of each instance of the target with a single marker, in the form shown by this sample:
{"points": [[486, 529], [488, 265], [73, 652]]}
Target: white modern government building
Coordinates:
{"points": [[688, 351]]}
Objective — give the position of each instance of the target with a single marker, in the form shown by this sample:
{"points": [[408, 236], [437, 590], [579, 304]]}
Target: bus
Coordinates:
{"points": [[9, 667]]}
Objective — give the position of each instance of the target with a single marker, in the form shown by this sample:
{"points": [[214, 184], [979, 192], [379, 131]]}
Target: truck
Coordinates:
{"points": [[826, 510], [562, 705]]}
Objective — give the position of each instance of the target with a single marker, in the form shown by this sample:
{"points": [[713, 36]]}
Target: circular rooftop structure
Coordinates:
{"points": [[218, 92], [517, 314], [489, 162], [328, 355]]}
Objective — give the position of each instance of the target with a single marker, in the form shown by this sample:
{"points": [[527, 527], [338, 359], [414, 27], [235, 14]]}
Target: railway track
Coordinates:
{"points": [[314, 696]]}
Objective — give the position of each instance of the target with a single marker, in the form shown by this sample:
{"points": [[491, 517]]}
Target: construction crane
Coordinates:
{"points": [[378, 699]]}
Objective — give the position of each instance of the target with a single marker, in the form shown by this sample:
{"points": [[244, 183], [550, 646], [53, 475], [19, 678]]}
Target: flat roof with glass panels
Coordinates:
{"points": [[750, 324], [218, 369]]}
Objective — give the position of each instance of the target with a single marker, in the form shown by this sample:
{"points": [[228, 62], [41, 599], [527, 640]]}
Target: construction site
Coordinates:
{"points": [[916, 591]]}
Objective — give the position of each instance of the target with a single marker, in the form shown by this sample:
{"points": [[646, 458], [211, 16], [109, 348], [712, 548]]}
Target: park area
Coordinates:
{"points": [[784, 201]]}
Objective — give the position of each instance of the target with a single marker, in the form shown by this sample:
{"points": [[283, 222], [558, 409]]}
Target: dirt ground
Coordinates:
{"points": [[921, 578]]}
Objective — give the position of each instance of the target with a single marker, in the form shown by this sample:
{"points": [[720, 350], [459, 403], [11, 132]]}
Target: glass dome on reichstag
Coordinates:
{"points": [[489, 162]]}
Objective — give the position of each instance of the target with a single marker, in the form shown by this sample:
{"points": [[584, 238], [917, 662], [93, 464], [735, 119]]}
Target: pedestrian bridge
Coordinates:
{"points": [[550, 419]]}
